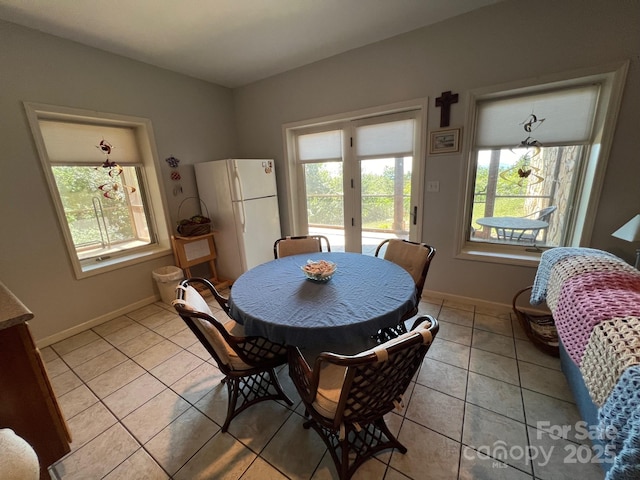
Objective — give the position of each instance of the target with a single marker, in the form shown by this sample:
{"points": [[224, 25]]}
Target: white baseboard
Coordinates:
{"points": [[50, 340], [468, 300]]}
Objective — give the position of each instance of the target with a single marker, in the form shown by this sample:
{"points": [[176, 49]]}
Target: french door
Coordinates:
{"points": [[358, 180]]}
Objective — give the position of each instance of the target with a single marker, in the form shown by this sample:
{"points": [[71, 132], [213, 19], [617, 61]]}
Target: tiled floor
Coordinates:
{"points": [[143, 400]]}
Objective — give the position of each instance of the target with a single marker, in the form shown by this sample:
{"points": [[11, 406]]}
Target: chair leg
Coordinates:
{"points": [[251, 389], [357, 446]]}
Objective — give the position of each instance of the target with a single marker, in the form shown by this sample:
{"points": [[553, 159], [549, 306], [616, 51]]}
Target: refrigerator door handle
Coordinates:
{"points": [[240, 198], [237, 184], [243, 219]]}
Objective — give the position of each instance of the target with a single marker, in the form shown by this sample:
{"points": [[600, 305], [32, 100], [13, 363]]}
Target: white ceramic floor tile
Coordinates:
{"points": [[69, 344], [100, 364], [544, 380], [450, 352], [87, 352], [494, 434], [176, 367], [114, 325], [493, 342], [553, 415], [467, 394], [455, 333], [155, 415], [145, 312], [76, 400], [454, 315], [436, 411], [65, 382], [495, 395], [222, 458], [527, 352], [158, 353], [309, 449], [134, 394], [139, 344], [493, 324], [98, 457], [174, 445], [477, 466], [90, 423], [111, 380], [564, 460], [443, 377], [494, 365], [430, 456], [139, 465]]}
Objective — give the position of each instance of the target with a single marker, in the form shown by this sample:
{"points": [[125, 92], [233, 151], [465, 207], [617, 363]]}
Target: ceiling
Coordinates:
{"points": [[230, 42]]}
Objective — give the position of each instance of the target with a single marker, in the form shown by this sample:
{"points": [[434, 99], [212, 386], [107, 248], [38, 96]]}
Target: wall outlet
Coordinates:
{"points": [[433, 186]]}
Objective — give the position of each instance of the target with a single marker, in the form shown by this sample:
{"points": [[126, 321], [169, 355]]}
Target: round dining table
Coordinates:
{"points": [[275, 300], [509, 228]]}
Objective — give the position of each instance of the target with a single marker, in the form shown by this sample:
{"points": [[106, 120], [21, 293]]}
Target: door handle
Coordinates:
{"points": [[415, 214]]}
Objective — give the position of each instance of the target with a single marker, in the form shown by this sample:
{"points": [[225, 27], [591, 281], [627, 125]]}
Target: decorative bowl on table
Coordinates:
{"points": [[319, 270]]}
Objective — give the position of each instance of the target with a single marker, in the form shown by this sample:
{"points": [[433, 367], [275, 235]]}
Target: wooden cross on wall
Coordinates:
{"points": [[444, 101]]}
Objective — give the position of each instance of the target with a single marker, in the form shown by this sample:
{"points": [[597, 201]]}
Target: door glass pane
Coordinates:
{"points": [[325, 202], [386, 196]]}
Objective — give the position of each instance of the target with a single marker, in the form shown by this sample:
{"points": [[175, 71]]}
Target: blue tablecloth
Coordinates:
{"points": [[275, 300]]}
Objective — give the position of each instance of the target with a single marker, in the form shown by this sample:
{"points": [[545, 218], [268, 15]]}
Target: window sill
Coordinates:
{"points": [[527, 257], [87, 269]]}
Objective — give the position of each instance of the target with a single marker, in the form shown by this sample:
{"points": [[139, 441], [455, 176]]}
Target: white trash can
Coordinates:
{"points": [[167, 279]]}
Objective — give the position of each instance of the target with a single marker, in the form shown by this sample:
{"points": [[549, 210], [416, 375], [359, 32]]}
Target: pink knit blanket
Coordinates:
{"points": [[589, 298]]}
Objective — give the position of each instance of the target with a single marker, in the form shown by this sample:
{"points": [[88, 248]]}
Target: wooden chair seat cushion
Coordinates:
{"points": [[194, 302], [332, 376], [409, 256]]}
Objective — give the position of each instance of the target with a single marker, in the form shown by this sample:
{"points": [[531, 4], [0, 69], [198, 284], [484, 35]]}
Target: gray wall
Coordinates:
{"points": [[509, 41], [197, 121], [192, 120]]}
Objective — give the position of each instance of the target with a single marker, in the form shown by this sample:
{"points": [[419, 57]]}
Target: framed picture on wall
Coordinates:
{"points": [[444, 141]]}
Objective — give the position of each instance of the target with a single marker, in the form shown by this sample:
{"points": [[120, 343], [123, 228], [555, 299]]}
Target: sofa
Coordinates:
{"points": [[594, 298]]}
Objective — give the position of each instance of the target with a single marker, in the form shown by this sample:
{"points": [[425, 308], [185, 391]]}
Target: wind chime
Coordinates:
{"points": [[523, 172], [113, 188]]}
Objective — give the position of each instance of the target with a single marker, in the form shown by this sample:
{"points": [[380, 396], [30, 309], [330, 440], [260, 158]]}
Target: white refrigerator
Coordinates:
{"points": [[241, 197]]}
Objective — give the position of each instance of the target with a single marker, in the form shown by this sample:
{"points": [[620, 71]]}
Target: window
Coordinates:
{"points": [[356, 179], [536, 165], [101, 175]]}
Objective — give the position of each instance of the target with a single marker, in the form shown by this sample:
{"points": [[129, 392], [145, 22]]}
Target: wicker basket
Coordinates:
{"points": [[539, 327], [196, 225]]}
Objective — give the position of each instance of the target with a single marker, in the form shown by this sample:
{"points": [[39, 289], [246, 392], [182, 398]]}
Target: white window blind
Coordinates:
{"points": [[392, 138], [568, 117], [320, 146], [69, 142]]}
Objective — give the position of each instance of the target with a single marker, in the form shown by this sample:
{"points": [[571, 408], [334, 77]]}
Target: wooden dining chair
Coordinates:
{"points": [[415, 258], [207, 285], [248, 363], [346, 397], [286, 246]]}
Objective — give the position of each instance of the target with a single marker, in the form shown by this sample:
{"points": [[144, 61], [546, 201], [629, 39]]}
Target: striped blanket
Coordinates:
{"points": [[595, 300]]}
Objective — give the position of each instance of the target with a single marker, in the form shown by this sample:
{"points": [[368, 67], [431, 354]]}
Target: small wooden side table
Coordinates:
{"points": [[196, 250]]}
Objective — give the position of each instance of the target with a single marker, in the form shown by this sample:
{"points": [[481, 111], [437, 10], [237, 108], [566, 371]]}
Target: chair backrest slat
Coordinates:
{"points": [[414, 257], [286, 246]]}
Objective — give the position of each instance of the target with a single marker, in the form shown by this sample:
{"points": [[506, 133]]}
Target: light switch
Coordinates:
{"points": [[433, 186]]}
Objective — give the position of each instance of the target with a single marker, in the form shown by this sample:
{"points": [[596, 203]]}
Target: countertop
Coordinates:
{"points": [[12, 310]]}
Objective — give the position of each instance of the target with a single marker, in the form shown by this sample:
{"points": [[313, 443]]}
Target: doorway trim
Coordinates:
{"points": [[296, 219]]}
